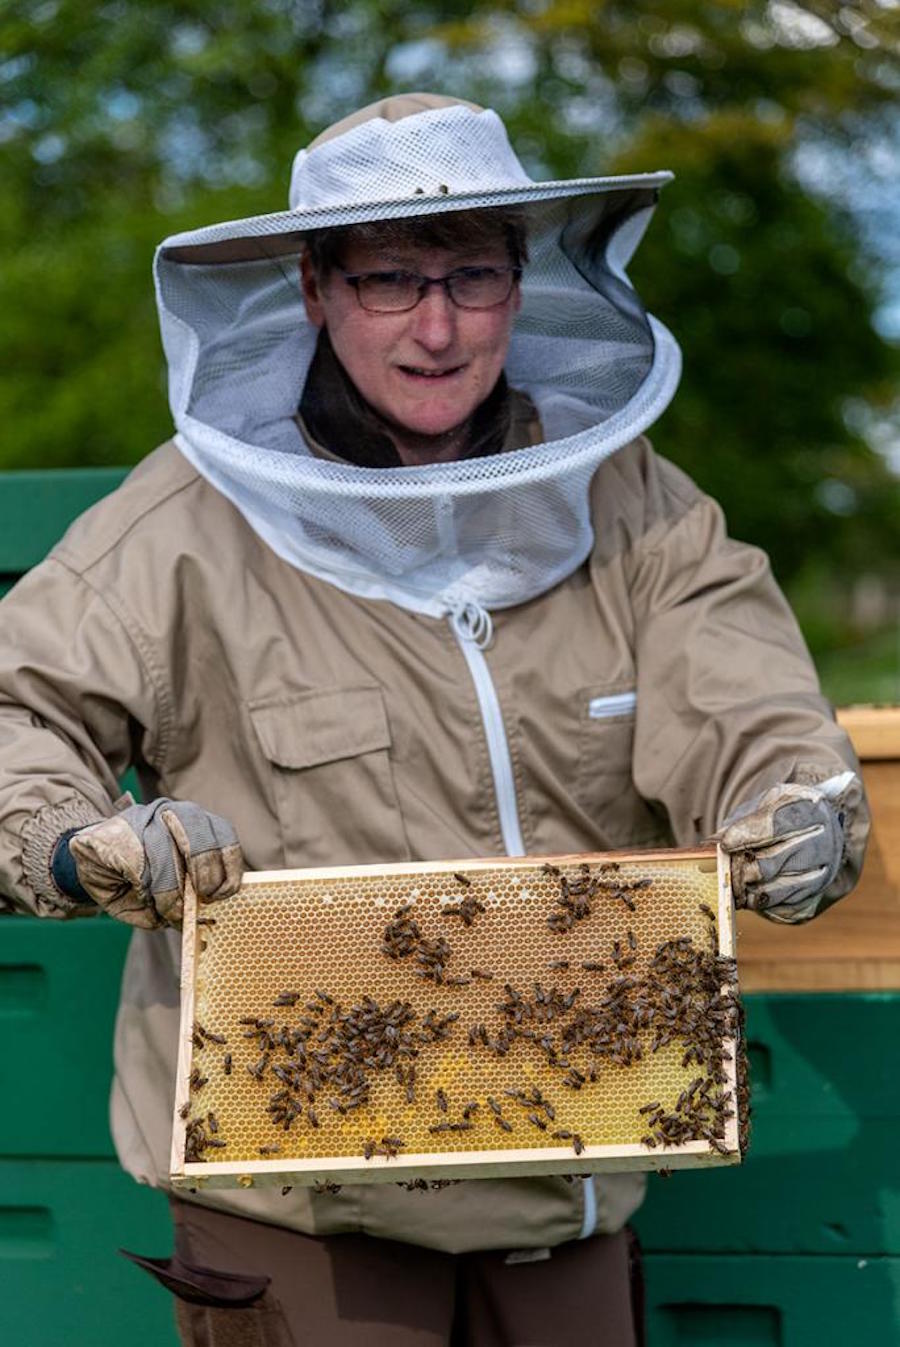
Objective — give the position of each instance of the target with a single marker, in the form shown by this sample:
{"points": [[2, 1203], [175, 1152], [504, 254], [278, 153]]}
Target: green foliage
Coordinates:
{"points": [[755, 279], [121, 123], [866, 672]]}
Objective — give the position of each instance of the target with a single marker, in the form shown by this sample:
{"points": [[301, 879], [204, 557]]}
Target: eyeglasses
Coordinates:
{"points": [[467, 287]]}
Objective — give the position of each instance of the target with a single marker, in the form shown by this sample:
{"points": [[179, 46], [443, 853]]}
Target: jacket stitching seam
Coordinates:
{"points": [[144, 653], [645, 552], [67, 556]]}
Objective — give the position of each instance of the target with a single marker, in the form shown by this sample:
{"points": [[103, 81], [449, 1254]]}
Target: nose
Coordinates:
{"points": [[435, 319]]}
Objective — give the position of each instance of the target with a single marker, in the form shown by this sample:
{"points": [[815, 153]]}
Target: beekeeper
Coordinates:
{"points": [[408, 584]]}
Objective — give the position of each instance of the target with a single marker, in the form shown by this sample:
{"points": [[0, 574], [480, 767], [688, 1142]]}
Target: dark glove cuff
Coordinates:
{"points": [[63, 871]]}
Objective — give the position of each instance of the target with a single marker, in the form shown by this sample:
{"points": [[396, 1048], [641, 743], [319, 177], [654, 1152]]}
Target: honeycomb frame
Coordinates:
{"points": [[344, 914]]}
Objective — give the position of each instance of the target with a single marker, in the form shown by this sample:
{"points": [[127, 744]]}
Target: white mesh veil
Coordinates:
{"points": [[491, 531]]}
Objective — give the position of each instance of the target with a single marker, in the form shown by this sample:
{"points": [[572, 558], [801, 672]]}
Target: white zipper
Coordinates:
{"points": [[474, 630]]}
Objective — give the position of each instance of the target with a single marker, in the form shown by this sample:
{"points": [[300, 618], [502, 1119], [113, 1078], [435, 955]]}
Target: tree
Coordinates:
{"points": [[122, 123]]}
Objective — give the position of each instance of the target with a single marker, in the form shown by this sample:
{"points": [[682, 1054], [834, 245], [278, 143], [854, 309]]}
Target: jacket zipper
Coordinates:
{"points": [[470, 635], [473, 630]]}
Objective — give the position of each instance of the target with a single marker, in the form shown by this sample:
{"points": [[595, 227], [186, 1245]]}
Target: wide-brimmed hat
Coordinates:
{"points": [[404, 156], [420, 153]]}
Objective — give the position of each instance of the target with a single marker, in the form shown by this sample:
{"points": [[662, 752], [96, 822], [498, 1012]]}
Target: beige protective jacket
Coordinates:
{"points": [[162, 633]]}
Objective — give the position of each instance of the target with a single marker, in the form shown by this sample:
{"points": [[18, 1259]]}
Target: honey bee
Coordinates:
{"points": [[286, 999]]}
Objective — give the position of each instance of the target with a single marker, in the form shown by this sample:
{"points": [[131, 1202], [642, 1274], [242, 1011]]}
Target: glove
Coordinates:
{"points": [[134, 864], [787, 846]]}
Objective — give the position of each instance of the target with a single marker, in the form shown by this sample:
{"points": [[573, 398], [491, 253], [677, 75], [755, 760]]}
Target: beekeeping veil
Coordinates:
{"points": [[444, 538]]}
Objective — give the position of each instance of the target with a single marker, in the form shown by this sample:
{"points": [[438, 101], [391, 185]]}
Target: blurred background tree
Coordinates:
{"points": [[770, 257]]}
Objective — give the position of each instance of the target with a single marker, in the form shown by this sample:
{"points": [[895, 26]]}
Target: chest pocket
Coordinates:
{"points": [[333, 782], [603, 782]]}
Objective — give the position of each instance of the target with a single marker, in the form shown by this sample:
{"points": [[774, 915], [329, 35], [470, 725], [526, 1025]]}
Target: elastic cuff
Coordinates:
{"points": [[64, 872], [39, 838]]}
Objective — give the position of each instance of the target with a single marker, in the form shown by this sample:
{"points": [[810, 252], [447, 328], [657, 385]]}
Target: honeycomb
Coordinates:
{"points": [[509, 987]]}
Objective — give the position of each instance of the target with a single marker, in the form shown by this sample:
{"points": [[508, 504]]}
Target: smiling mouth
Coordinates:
{"points": [[419, 372]]}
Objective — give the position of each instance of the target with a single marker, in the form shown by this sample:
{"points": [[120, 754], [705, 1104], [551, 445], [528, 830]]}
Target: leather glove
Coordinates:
{"points": [[134, 864], [787, 846]]}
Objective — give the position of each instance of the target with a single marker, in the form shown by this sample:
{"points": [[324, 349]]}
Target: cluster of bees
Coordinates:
{"points": [[325, 1062], [575, 895], [431, 955], [690, 996]]}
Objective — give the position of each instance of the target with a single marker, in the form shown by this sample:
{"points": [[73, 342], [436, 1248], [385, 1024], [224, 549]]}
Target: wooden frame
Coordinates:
{"points": [[556, 1158]]}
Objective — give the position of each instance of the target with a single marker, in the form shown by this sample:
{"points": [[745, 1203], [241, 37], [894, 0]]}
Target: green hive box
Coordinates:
{"points": [[772, 1301], [65, 1206], [64, 1285], [822, 1175]]}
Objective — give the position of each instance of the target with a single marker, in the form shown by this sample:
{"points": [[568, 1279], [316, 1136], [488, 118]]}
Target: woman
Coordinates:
{"points": [[409, 485]]}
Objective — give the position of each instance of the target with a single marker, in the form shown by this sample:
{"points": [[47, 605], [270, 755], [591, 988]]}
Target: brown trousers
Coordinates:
{"points": [[355, 1291]]}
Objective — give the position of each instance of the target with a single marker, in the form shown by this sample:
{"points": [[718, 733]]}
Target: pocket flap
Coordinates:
{"points": [[317, 727]]}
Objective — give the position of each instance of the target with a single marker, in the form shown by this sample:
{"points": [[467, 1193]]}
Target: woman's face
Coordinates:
{"points": [[427, 369]]}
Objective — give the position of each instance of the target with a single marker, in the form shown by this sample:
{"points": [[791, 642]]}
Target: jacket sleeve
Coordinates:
{"points": [[728, 698], [76, 702]]}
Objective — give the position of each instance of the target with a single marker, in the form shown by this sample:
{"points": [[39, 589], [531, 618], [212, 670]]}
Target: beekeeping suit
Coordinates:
{"points": [[554, 648]]}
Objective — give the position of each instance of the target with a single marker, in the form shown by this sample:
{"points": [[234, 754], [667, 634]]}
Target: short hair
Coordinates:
{"points": [[446, 229]]}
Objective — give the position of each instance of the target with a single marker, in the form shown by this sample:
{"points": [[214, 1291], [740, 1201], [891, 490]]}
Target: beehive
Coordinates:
{"points": [[542, 1004]]}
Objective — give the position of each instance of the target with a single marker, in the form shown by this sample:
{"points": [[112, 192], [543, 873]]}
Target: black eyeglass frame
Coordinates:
{"points": [[423, 283]]}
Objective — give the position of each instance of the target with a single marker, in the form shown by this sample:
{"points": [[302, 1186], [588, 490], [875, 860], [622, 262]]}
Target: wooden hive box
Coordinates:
{"points": [[459, 1019]]}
